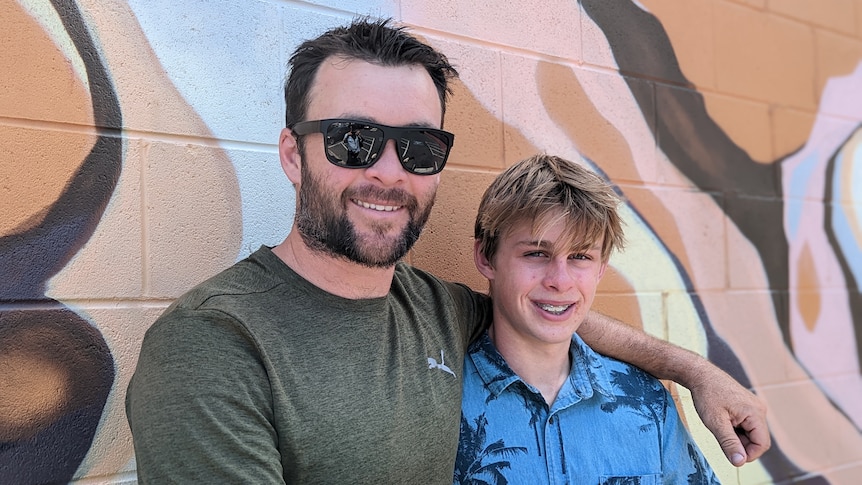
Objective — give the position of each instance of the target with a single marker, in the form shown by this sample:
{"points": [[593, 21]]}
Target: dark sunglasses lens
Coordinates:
{"points": [[423, 152], [354, 144], [351, 144]]}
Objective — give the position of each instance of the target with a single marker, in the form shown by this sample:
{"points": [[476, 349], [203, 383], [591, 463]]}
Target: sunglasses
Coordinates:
{"points": [[359, 144]]}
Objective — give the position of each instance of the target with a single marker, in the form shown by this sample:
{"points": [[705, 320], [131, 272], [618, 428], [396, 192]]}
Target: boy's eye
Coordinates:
{"points": [[534, 254]]}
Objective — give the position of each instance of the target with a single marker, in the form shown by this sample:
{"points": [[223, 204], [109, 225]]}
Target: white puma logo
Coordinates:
{"points": [[432, 364]]}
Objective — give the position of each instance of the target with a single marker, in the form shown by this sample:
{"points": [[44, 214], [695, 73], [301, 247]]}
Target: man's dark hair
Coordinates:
{"points": [[372, 41]]}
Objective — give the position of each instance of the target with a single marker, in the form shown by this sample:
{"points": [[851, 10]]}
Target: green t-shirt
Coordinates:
{"points": [[257, 376]]}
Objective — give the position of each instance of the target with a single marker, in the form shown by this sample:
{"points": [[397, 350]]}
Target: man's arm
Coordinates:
{"points": [[733, 414], [199, 405]]}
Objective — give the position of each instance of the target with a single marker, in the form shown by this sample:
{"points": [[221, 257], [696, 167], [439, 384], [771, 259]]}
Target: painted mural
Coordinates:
{"points": [[137, 157], [56, 370]]}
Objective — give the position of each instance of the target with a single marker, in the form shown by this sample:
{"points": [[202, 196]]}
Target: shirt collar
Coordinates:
{"points": [[587, 375], [492, 368]]}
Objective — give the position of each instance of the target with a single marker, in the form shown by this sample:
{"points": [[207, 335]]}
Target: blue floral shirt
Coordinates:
{"points": [[611, 423]]}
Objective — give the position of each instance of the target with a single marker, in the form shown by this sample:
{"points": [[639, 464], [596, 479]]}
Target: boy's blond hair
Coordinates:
{"points": [[543, 188]]}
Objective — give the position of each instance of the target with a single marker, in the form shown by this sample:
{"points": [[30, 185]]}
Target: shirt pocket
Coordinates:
{"points": [[630, 479]]}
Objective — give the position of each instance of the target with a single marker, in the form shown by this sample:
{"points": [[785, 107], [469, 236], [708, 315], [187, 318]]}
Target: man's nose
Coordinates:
{"points": [[388, 167]]}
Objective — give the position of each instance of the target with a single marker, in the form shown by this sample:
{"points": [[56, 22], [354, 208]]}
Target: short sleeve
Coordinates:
{"points": [[682, 460], [199, 404]]}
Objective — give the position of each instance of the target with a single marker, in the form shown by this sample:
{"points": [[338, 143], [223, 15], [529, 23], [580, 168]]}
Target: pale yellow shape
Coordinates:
{"points": [[34, 393]]}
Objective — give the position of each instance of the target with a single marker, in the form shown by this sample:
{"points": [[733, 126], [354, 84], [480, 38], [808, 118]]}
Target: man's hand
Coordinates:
{"points": [[734, 415]]}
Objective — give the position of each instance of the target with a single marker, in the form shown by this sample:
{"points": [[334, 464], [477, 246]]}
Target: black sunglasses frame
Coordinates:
{"points": [[395, 133]]}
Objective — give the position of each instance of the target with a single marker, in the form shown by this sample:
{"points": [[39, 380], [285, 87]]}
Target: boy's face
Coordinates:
{"points": [[541, 290]]}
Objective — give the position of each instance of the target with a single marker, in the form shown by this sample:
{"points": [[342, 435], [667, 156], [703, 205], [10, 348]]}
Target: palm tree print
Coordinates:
{"points": [[700, 474], [622, 481], [645, 396], [639, 392], [479, 464]]}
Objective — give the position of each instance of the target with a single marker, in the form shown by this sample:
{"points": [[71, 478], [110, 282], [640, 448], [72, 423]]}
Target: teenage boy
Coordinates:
{"points": [[539, 405]]}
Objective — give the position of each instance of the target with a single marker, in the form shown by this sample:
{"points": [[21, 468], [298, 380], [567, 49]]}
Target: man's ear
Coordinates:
{"points": [[482, 263], [288, 152]]}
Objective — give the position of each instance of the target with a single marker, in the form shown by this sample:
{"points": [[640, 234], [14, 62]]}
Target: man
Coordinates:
{"points": [[311, 361], [539, 405]]}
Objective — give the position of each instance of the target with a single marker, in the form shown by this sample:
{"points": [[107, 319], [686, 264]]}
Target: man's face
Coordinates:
{"points": [[371, 216], [541, 288]]}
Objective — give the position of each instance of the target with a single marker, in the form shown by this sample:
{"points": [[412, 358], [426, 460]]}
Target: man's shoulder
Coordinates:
{"points": [[231, 306], [455, 303], [254, 275], [409, 273], [235, 291], [418, 281]]}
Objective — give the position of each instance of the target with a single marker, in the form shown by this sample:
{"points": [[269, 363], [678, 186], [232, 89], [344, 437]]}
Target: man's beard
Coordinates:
{"points": [[324, 226]]}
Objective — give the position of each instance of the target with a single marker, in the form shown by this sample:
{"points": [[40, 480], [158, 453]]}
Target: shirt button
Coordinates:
{"points": [[551, 420]]}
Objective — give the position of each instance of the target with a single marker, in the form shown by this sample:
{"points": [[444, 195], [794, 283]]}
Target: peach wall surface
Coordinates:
{"points": [[138, 157]]}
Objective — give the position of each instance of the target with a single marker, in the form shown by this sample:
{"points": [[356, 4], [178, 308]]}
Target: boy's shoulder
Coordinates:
{"points": [[621, 377]]}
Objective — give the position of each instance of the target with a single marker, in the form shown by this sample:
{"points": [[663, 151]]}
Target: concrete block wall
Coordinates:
{"points": [[138, 157]]}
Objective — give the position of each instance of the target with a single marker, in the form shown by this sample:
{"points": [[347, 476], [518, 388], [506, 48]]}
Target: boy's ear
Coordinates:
{"points": [[482, 264], [288, 152], [602, 271]]}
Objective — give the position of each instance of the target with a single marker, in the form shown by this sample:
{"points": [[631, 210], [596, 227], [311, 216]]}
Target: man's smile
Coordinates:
{"points": [[376, 207]]}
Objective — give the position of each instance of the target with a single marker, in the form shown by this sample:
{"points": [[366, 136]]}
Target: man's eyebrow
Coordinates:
{"points": [[366, 119], [349, 116]]}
